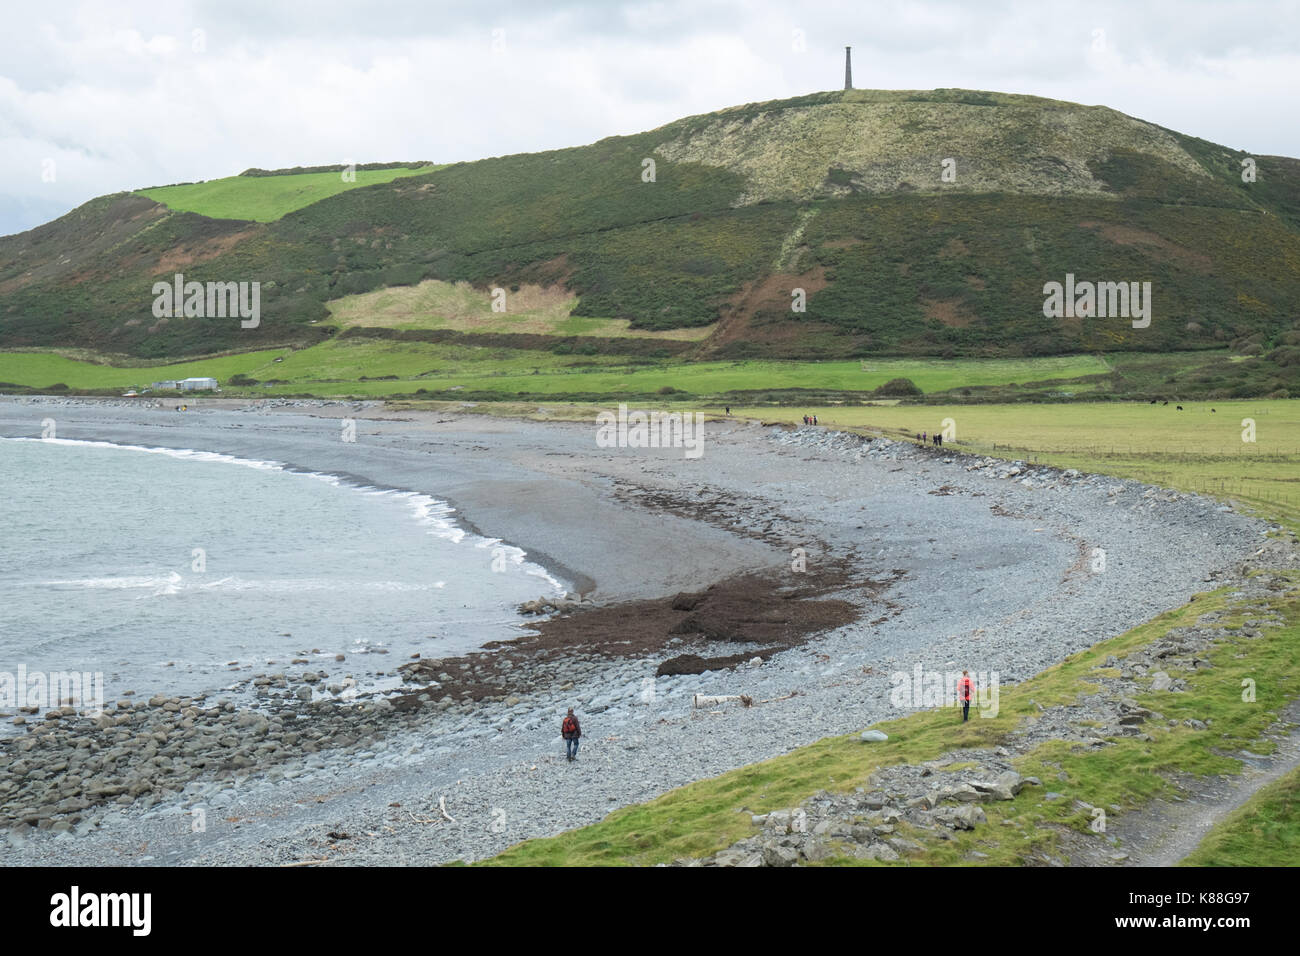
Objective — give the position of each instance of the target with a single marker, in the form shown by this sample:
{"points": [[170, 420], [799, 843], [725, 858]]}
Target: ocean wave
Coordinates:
{"points": [[430, 512]]}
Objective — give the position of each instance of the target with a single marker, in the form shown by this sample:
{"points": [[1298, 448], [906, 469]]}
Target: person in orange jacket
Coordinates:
{"points": [[964, 689]]}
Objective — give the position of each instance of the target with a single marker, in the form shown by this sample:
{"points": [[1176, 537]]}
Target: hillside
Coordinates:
{"points": [[839, 194]]}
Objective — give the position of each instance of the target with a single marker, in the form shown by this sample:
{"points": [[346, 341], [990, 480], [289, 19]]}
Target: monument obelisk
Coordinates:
{"points": [[848, 67]]}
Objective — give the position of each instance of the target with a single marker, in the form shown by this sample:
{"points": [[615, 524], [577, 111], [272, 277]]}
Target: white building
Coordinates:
{"points": [[197, 384]]}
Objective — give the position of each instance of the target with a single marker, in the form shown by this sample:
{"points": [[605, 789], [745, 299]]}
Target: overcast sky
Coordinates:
{"points": [[99, 97]]}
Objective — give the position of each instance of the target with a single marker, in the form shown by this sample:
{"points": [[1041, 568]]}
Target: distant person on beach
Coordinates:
{"points": [[923, 439], [728, 409], [963, 695], [571, 731], [814, 419]]}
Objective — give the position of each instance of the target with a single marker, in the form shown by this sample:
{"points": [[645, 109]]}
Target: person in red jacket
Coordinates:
{"points": [[571, 731], [964, 689]]}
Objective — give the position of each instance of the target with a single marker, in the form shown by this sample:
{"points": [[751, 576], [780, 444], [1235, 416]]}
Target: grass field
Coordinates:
{"points": [[267, 198], [334, 368], [434, 304], [512, 373], [43, 369]]}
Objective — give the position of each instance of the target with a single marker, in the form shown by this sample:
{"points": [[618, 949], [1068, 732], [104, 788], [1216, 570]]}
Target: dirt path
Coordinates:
{"points": [[1167, 832]]}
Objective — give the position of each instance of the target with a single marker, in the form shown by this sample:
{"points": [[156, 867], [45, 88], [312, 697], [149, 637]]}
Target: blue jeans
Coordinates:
{"points": [[571, 748]]}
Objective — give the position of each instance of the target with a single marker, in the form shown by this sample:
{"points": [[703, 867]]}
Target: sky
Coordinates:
{"points": [[106, 96]]}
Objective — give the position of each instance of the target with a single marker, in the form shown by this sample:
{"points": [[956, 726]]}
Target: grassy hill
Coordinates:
{"points": [[839, 194]]}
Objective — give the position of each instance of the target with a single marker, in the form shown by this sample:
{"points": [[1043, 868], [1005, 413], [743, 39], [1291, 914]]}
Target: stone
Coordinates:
{"points": [[731, 856], [960, 818], [962, 793], [1161, 681], [1003, 787], [780, 856], [874, 736]]}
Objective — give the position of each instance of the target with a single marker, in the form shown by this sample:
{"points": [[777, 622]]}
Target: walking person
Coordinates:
{"points": [[963, 695], [571, 731]]}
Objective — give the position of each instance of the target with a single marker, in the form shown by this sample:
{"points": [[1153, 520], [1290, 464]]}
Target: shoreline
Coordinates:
{"points": [[1017, 600]]}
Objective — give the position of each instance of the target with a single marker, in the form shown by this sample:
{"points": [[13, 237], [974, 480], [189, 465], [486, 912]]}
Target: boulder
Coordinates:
{"points": [[780, 856], [960, 818]]}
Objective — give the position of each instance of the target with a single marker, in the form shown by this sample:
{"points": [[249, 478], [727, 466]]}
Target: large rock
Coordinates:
{"points": [[1004, 786], [780, 856], [960, 818], [874, 736], [962, 793]]}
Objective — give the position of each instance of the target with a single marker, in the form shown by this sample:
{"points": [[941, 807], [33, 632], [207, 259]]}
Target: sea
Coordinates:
{"points": [[179, 571]]}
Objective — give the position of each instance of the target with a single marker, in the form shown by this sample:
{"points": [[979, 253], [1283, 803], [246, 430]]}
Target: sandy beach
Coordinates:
{"points": [[801, 567]]}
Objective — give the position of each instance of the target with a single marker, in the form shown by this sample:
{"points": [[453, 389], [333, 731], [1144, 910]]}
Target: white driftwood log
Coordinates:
{"points": [[705, 700]]}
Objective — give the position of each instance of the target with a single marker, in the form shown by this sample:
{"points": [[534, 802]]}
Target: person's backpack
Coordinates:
{"points": [[570, 726]]}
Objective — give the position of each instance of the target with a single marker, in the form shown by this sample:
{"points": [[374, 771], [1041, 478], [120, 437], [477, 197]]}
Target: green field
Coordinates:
{"points": [[42, 370], [336, 367], [267, 198]]}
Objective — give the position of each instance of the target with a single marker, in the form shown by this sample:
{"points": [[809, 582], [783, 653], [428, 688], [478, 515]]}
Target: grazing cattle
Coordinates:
{"points": [[1152, 402], [1211, 411], [1180, 408], [1162, 406]]}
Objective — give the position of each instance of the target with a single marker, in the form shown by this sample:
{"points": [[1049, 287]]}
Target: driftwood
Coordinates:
{"points": [[703, 700], [442, 806]]}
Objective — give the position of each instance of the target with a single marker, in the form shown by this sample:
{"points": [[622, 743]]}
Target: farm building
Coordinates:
{"points": [[197, 384]]}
